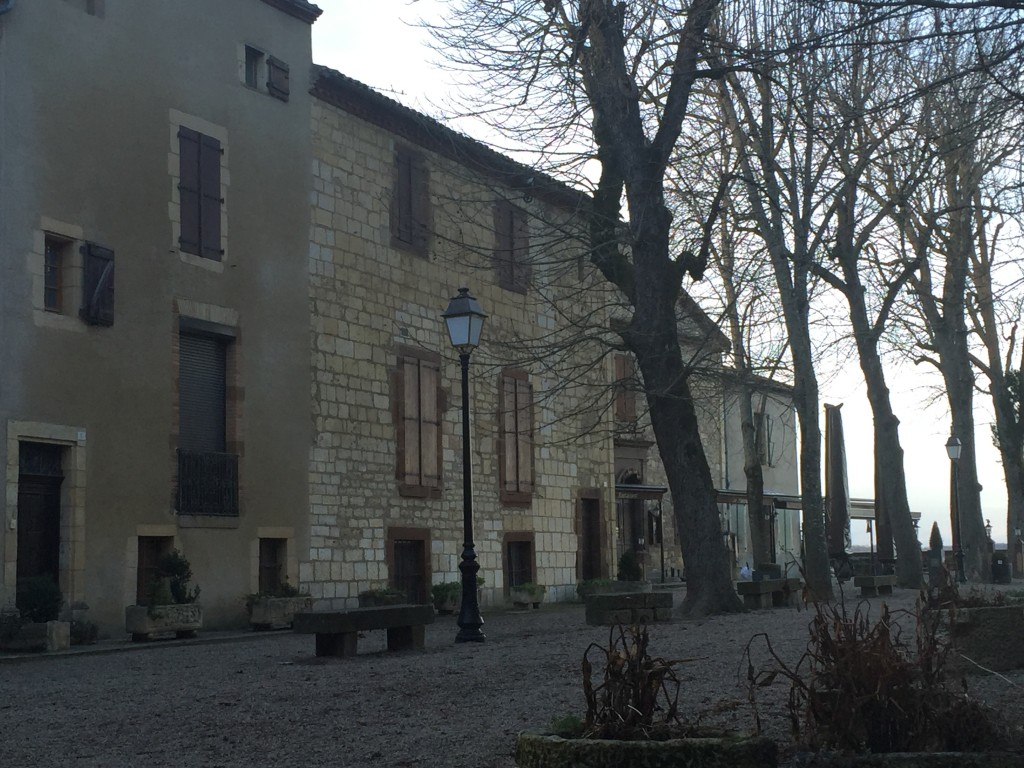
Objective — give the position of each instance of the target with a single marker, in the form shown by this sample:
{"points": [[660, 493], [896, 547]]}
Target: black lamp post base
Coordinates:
{"points": [[470, 619], [470, 635]]}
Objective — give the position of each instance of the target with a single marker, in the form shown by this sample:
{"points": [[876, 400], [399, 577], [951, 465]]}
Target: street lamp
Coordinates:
{"points": [[953, 447], [465, 320]]}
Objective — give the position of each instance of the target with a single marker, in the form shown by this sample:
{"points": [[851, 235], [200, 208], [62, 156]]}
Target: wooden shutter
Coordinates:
{"points": [[515, 443], [210, 199], [199, 193], [419, 182], [625, 395], [503, 242], [202, 374], [97, 285], [520, 256], [430, 426], [509, 458], [188, 189], [401, 199], [277, 79], [409, 471], [524, 435]]}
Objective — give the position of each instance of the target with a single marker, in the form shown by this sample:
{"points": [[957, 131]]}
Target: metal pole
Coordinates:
{"points": [[961, 574], [470, 620], [661, 539]]}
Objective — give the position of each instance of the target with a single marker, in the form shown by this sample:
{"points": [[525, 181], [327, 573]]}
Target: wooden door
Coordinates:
{"points": [[39, 527], [590, 539], [410, 569]]}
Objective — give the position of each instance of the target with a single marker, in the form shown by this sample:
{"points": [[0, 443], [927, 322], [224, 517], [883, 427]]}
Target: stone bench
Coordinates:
{"points": [[337, 632], [873, 586], [628, 608], [769, 593]]}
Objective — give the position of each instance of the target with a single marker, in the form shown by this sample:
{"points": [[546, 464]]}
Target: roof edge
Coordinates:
{"points": [[300, 9]]}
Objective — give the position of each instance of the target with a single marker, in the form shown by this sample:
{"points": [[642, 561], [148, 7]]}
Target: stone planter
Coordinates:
{"points": [[981, 634], [913, 760], [534, 750], [40, 636], [277, 612], [143, 622], [522, 598], [585, 590]]}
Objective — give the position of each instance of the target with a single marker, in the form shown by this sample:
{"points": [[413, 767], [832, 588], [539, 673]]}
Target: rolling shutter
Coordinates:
{"points": [[201, 393]]}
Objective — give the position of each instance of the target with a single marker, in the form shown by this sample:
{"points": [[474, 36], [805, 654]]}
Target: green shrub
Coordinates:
{"points": [[84, 632], [629, 567], [176, 569], [445, 593], [590, 586], [39, 598], [533, 590], [284, 589]]}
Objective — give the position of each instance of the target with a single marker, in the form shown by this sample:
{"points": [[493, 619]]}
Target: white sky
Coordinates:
{"points": [[377, 43]]}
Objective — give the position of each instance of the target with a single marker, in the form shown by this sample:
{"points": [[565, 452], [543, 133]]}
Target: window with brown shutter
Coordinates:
{"points": [[512, 247], [97, 285], [417, 394], [277, 79], [199, 193], [410, 203], [515, 438], [625, 387]]}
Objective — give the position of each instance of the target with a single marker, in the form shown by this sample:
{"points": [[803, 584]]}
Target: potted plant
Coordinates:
{"points": [[34, 626], [171, 604], [276, 608], [526, 594], [447, 595], [382, 596], [632, 719]]}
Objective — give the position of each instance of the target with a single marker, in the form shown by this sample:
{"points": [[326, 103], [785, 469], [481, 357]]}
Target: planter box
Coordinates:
{"points": [[271, 612], [41, 636], [988, 636], [522, 598], [542, 751], [612, 587], [143, 622]]}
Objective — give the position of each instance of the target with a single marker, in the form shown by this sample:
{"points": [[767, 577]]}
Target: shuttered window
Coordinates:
{"points": [[515, 440], [512, 247], [207, 474], [419, 426], [97, 285], [277, 79], [625, 387], [410, 204], [199, 193]]}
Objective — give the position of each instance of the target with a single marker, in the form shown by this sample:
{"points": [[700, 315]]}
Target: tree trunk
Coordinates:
{"points": [[760, 533]]}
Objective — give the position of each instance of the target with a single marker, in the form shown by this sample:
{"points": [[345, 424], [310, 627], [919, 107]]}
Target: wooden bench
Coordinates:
{"points": [[768, 593], [337, 632], [873, 586]]}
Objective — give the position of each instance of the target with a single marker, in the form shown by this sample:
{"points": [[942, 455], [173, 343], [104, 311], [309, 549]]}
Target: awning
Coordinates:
{"points": [[779, 500], [633, 491]]}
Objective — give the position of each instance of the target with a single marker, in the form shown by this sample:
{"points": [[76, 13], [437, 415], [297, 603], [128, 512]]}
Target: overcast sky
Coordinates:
{"points": [[377, 43]]}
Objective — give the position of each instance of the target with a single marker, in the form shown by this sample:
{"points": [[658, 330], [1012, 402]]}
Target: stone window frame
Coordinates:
{"points": [[419, 489], [515, 490], [291, 554], [234, 406], [517, 537], [72, 275], [178, 119]]}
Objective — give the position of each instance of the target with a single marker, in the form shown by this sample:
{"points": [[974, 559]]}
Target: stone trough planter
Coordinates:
{"points": [[536, 750], [277, 612], [40, 636], [144, 622]]}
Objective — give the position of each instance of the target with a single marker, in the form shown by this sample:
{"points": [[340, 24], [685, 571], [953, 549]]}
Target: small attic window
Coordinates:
{"points": [[253, 65]]}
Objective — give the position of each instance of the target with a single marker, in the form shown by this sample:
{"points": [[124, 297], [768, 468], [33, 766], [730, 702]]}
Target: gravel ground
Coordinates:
{"points": [[267, 700]]}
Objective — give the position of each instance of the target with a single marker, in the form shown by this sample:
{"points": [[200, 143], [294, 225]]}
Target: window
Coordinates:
{"points": [[410, 205], [273, 565], [763, 439], [97, 285], [511, 247], [207, 474], [277, 79], [406, 554], [515, 439], [625, 387], [417, 395], [199, 192], [518, 559], [55, 265], [253, 66]]}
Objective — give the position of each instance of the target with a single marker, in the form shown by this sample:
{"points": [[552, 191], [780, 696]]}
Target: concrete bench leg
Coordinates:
{"points": [[342, 644], [406, 638], [869, 591]]}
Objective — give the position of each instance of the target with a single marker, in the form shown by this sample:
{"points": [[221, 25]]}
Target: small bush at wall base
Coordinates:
{"points": [[629, 567], [39, 598], [84, 632]]}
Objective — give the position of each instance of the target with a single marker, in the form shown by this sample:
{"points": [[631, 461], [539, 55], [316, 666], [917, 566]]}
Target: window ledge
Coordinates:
{"points": [[209, 521]]}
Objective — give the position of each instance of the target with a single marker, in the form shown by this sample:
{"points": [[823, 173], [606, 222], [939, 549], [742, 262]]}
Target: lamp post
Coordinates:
{"points": [[464, 320], [953, 447]]}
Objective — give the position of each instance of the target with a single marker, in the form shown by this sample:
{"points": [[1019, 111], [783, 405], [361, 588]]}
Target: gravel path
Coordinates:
{"points": [[269, 701]]}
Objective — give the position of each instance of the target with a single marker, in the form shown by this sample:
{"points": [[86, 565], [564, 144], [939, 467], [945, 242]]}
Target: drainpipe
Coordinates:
{"points": [[5, 6]]}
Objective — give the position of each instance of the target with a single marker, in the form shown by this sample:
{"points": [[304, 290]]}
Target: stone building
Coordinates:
{"points": [[154, 227]]}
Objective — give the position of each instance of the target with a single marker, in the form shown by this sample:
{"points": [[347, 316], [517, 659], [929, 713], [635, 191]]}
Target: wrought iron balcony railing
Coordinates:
{"points": [[207, 483]]}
